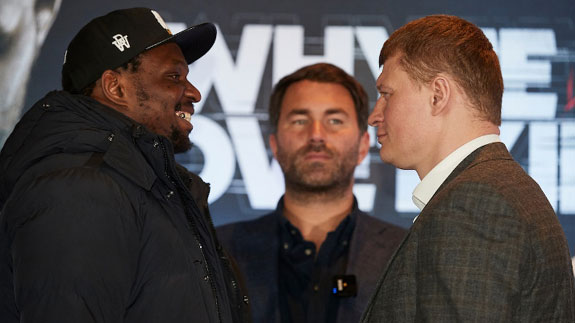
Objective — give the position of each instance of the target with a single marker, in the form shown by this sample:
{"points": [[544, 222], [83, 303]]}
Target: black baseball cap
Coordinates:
{"points": [[111, 40]]}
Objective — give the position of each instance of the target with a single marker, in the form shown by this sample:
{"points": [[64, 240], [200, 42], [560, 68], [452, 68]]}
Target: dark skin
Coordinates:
{"points": [[154, 94]]}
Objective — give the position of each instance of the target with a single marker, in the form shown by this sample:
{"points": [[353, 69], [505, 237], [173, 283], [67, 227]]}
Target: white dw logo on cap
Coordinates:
{"points": [[121, 42]]}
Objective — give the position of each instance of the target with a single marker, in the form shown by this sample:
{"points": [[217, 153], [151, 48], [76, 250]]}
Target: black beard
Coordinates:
{"points": [[179, 140]]}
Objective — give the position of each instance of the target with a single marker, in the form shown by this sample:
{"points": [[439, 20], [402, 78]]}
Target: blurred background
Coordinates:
{"points": [[261, 41]]}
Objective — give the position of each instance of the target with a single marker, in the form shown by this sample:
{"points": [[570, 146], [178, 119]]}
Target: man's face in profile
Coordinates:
{"points": [[159, 92], [23, 28]]}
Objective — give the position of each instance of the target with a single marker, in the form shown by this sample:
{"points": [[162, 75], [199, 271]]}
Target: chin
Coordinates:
{"points": [[181, 148], [180, 140], [384, 157], [388, 159]]}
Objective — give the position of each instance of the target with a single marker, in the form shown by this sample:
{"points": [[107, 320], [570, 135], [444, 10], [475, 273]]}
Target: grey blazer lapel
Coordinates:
{"points": [[374, 295], [369, 246], [496, 150]]}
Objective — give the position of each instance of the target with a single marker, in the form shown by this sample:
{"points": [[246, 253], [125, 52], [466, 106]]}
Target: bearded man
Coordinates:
{"points": [[317, 256], [98, 221]]}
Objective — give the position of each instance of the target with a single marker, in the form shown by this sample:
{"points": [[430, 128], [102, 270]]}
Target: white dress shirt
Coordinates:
{"points": [[431, 182]]}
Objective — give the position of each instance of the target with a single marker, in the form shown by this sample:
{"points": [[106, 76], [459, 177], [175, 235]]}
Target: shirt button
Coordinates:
{"points": [[315, 288], [293, 232], [206, 278], [286, 246], [308, 252], [344, 242]]}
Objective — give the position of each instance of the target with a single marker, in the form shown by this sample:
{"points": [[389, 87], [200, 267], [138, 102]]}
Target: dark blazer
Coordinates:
{"points": [[255, 246], [487, 248]]}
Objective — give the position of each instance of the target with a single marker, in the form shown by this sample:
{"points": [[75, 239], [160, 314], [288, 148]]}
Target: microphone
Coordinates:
{"points": [[344, 286]]}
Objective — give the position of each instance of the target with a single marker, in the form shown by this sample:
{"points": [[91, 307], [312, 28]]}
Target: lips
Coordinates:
{"points": [[185, 111], [380, 136], [184, 115], [316, 152], [313, 155]]}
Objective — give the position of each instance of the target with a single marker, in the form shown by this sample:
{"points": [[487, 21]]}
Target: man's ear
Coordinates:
{"points": [[363, 147], [113, 88], [273, 144], [441, 89]]}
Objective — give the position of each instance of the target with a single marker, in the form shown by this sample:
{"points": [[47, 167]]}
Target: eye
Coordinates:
{"points": [[385, 95], [335, 121], [174, 77], [299, 122]]}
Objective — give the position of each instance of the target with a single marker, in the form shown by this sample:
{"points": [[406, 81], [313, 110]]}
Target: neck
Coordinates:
{"points": [[453, 136], [315, 215]]}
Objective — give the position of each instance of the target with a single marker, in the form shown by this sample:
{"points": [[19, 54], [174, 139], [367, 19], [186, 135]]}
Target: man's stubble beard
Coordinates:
{"points": [[180, 140], [318, 178]]}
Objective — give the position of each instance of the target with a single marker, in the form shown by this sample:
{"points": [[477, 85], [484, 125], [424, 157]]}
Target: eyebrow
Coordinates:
{"points": [[180, 63], [336, 111], [381, 87], [296, 112], [306, 111]]}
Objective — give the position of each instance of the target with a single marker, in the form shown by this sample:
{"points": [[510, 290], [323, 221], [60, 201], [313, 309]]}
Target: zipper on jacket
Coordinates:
{"points": [[239, 299], [192, 225], [227, 266]]}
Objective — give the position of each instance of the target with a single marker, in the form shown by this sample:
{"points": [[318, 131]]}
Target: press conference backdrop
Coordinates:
{"points": [[260, 41]]}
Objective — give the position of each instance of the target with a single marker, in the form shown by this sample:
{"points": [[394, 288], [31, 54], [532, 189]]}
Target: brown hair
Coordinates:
{"points": [[325, 73], [448, 44]]}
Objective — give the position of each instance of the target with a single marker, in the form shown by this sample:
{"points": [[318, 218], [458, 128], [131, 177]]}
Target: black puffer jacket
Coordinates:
{"points": [[99, 224]]}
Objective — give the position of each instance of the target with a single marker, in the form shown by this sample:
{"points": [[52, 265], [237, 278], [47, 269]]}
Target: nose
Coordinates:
{"points": [[317, 131], [192, 93], [376, 116]]}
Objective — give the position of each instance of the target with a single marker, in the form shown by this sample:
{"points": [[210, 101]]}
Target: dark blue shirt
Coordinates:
{"points": [[306, 276]]}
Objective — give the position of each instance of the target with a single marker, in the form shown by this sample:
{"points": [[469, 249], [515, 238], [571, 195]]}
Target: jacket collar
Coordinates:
{"points": [[66, 123]]}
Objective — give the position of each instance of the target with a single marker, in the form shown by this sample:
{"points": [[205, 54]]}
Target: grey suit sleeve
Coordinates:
{"points": [[472, 253], [486, 248]]}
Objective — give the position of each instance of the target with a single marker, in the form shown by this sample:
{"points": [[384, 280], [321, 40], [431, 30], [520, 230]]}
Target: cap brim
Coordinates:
{"points": [[194, 42]]}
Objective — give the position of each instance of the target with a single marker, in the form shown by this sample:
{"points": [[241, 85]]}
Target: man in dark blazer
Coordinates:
{"points": [[317, 257], [487, 245]]}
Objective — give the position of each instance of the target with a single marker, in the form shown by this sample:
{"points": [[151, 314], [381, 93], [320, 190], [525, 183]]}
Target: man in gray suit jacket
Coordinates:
{"points": [[317, 257], [487, 245]]}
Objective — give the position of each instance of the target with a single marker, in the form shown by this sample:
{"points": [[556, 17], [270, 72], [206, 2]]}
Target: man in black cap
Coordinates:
{"points": [[98, 222]]}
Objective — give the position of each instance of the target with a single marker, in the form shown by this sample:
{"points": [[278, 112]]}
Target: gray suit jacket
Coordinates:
{"points": [[255, 247], [487, 248]]}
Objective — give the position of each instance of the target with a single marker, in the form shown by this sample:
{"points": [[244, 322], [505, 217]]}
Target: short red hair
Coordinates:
{"points": [[448, 44]]}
